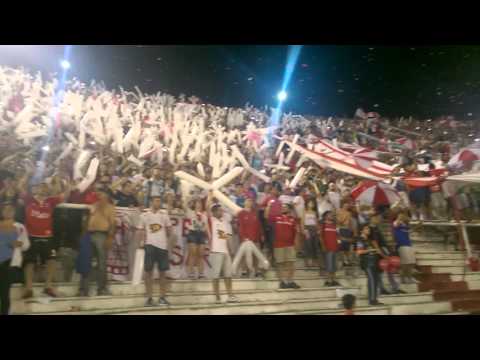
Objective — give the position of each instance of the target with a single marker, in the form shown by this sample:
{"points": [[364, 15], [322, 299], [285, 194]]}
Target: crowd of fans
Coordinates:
{"points": [[317, 221]]}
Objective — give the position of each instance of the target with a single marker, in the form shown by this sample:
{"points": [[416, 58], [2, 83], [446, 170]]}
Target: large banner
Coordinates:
{"points": [[121, 258]]}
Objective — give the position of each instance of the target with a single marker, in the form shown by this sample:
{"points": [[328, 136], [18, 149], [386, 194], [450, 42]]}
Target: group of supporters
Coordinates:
{"points": [[317, 222]]}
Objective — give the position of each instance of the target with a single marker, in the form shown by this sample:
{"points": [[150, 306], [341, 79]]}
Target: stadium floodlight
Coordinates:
{"points": [[282, 95], [65, 64]]}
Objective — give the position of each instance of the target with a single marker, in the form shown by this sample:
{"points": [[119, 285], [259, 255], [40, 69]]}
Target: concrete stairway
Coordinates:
{"points": [[446, 287]]}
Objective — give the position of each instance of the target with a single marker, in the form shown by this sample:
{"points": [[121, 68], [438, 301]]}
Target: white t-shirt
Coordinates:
{"points": [[196, 221], [323, 205], [155, 225], [334, 199], [221, 233], [299, 205], [286, 199]]}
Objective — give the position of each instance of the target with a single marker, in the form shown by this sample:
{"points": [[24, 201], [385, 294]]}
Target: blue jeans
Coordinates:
{"points": [[373, 281], [98, 240]]}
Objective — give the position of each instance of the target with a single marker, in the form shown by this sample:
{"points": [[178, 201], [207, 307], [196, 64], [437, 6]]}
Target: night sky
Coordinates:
{"points": [[328, 80]]}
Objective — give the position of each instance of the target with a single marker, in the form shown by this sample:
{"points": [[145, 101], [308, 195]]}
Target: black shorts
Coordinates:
{"points": [[196, 237], [40, 248], [156, 255], [419, 196]]}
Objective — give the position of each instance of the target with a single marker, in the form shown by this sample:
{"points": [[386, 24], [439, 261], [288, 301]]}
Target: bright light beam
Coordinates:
{"points": [[292, 59], [57, 99]]}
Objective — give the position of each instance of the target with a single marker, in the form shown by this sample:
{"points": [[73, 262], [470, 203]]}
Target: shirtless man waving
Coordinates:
{"points": [[101, 227]]}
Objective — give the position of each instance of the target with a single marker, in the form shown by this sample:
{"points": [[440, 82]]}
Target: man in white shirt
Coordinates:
{"points": [[287, 197], [220, 258], [334, 196], [157, 226], [323, 204]]}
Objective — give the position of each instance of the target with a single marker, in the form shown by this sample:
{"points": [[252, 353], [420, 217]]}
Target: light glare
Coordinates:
{"points": [[65, 64], [282, 95]]}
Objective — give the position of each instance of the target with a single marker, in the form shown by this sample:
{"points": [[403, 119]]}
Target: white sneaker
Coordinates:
{"points": [[232, 299], [414, 217], [422, 217]]}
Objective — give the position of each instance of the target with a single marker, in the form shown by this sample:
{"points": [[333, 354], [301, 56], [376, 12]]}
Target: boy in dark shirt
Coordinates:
{"points": [[125, 196]]}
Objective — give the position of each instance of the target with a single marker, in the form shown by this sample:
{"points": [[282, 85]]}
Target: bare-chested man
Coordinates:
{"points": [[101, 228]]}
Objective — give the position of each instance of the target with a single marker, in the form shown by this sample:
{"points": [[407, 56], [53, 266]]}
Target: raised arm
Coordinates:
{"points": [[209, 203]]}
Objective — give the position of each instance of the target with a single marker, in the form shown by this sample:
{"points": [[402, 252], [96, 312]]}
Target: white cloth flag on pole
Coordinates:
{"points": [[138, 267]]}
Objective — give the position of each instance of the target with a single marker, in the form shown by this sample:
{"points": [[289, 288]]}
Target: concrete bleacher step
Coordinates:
{"points": [[474, 284], [131, 296], [451, 269], [126, 288], [178, 298], [469, 276], [368, 310], [440, 262], [420, 308], [439, 255], [253, 307]]}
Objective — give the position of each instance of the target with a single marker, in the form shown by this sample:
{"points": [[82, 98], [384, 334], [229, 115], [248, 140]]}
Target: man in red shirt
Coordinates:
{"points": [[273, 208], [39, 223], [286, 230], [249, 229]]}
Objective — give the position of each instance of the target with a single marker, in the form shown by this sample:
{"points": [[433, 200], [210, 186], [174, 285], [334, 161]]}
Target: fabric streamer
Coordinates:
{"points": [[193, 180], [239, 156], [248, 249], [90, 177], [297, 178], [138, 267], [224, 200], [227, 178], [292, 150], [279, 149], [201, 170], [82, 159], [64, 153], [136, 161]]}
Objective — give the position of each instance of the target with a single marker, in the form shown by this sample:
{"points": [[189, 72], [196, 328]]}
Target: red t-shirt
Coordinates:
{"points": [[285, 231], [329, 235], [39, 216], [248, 226]]}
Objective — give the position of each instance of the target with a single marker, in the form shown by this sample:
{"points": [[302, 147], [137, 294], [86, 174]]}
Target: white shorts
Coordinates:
{"points": [[437, 200], [407, 255], [221, 265]]}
